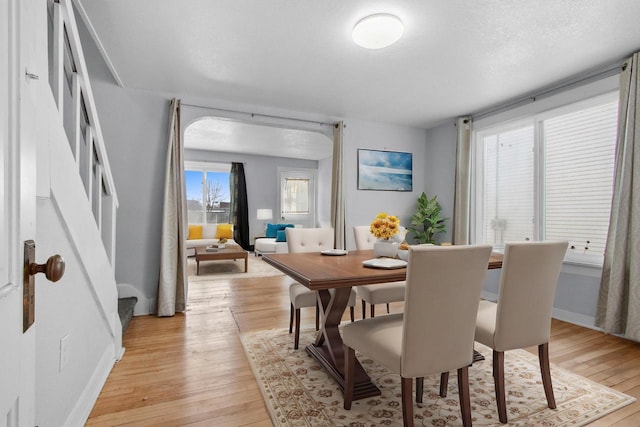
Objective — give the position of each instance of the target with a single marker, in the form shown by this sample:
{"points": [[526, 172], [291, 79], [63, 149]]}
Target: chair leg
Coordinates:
{"points": [[349, 375], [317, 317], [364, 309], [444, 384], [498, 379], [545, 370], [353, 314], [419, 389], [388, 308], [373, 311], [296, 334], [407, 402], [291, 319], [463, 393]]}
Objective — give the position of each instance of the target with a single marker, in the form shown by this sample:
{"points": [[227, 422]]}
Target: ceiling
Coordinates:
{"points": [[455, 57]]}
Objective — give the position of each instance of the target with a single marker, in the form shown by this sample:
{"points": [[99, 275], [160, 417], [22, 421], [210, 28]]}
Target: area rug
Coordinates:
{"points": [[230, 269], [298, 392]]}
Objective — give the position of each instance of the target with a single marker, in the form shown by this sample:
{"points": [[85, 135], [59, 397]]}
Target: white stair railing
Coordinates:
{"points": [[69, 81]]}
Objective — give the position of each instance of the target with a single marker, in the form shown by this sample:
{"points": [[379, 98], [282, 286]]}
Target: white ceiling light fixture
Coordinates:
{"points": [[377, 31]]}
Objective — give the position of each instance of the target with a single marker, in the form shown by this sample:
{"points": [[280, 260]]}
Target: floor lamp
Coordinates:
{"points": [[265, 215]]}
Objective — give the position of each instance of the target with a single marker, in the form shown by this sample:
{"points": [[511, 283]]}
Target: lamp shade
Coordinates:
{"points": [[265, 214]]}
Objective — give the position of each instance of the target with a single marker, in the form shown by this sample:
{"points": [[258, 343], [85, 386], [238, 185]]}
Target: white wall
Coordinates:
{"points": [[578, 286], [82, 305]]}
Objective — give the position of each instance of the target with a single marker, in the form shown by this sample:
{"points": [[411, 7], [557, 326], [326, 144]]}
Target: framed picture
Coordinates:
{"points": [[385, 170]]}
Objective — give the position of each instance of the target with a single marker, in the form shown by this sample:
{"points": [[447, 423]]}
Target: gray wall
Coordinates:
{"points": [[262, 179], [363, 205], [134, 125]]}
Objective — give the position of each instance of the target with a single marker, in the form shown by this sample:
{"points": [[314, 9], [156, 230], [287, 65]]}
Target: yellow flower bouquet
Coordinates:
{"points": [[385, 226]]}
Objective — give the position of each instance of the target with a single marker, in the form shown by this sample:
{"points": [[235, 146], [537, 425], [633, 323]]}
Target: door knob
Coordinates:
{"points": [[53, 268]]}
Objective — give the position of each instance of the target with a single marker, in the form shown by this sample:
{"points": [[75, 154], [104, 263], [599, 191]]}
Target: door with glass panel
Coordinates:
{"points": [[297, 196]]}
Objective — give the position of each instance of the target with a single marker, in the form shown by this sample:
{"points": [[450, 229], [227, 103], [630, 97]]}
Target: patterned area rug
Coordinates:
{"points": [[230, 269], [298, 392]]}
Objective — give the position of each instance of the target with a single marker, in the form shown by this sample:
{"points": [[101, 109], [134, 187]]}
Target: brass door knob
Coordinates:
{"points": [[53, 268]]}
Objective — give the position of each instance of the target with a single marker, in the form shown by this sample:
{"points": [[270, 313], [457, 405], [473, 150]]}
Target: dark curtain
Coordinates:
{"points": [[239, 206]]}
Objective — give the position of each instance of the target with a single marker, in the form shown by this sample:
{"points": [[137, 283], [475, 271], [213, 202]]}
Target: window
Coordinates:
{"points": [[548, 177], [297, 196], [207, 186]]}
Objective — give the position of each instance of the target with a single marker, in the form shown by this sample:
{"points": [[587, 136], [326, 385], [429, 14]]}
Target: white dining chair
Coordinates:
{"points": [[300, 240], [382, 293], [522, 316], [435, 333]]}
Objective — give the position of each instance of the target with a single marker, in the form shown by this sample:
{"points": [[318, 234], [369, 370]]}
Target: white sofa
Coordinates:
{"points": [[264, 245], [208, 238], [269, 245]]}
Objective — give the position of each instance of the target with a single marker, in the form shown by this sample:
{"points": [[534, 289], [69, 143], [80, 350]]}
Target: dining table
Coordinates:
{"points": [[340, 271]]}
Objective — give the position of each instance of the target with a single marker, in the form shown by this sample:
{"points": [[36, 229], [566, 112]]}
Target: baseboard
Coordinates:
{"points": [[575, 318], [82, 409]]}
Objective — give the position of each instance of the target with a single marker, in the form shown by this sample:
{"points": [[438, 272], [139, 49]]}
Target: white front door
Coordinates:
{"points": [[17, 206], [297, 195]]}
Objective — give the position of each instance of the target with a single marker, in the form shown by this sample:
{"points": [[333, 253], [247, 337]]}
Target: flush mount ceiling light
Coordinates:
{"points": [[377, 31]]}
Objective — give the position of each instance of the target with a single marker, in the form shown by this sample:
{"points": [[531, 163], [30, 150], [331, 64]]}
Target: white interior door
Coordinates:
{"points": [[17, 208], [297, 196]]}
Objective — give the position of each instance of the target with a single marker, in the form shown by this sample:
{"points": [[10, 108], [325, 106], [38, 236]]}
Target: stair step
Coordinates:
{"points": [[125, 310]]}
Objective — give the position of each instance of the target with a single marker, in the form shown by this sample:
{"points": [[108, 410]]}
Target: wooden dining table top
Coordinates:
{"points": [[317, 271]]}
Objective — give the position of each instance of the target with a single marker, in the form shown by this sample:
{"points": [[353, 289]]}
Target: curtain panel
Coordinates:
{"points": [[172, 283], [337, 190], [462, 191], [619, 299], [239, 206]]}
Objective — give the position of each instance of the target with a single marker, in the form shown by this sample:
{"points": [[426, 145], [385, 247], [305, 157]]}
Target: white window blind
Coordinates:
{"points": [[579, 162], [548, 177], [296, 196]]}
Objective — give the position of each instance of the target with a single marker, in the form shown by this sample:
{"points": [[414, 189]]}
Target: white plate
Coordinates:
{"points": [[387, 263], [334, 252]]}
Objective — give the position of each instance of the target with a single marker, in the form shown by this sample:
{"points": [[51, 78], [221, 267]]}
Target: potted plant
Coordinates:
{"points": [[427, 222]]}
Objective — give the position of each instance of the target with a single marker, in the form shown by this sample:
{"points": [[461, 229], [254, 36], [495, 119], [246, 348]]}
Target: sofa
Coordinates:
{"points": [[207, 234], [275, 240]]}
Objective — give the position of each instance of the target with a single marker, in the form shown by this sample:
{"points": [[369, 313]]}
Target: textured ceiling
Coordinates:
{"points": [[455, 57]]}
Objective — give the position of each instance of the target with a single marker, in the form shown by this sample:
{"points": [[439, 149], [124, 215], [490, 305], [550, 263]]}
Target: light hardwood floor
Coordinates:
{"points": [[191, 369]]}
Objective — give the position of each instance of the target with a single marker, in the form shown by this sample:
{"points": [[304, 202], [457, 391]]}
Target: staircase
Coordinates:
{"points": [[125, 310]]}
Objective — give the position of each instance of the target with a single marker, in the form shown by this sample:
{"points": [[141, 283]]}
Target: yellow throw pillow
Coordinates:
{"points": [[195, 232], [224, 230]]}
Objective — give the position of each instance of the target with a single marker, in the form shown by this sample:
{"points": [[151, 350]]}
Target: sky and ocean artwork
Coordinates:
{"points": [[385, 170]]}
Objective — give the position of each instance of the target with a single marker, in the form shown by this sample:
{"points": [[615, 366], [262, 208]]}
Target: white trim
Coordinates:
{"points": [[207, 166], [82, 409]]}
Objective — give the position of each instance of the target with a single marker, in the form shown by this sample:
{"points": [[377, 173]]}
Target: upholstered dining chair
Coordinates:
{"points": [[435, 333], [308, 240], [383, 293], [522, 316]]}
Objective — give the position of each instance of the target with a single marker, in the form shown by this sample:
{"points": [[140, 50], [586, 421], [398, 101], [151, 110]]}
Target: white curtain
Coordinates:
{"points": [[619, 300], [337, 190], [172, 284], [462, 192]]}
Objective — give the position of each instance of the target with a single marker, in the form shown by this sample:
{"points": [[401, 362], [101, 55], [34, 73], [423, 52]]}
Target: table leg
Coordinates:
{"points": [[246, 263], [328, 348], [197, 267]]}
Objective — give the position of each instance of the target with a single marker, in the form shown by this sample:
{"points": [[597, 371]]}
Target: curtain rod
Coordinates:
{"points": [[259, 115], [570, 84]]}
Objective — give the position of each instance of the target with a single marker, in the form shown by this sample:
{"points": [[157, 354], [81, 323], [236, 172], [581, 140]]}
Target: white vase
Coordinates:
{"points": [[385, 248]]}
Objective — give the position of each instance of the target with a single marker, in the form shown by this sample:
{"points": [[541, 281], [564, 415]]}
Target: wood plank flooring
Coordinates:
{"points": [[190, 369]]}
